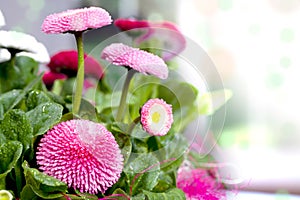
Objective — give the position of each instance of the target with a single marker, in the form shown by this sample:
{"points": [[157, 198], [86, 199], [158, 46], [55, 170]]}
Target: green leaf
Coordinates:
{"points": [[124, 144], [16, 126], [36, 98], [17, 73], [165, 182], [143, 172], [210, 102], [43, 185], [174, 193], [172, 149], [28, 194], [7, 100], [179, 94], [44, 116], [29, 87], [10, 153]]}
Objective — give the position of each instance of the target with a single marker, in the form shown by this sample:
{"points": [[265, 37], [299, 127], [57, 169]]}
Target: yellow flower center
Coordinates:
{"points": [[155, 117]]}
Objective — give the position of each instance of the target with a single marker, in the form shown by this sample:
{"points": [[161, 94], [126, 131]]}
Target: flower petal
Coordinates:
{"points": [[76, 20], [139, 60]]}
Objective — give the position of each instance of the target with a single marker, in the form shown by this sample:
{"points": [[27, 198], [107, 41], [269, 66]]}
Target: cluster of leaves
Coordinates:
{"points": [[28, 110]]}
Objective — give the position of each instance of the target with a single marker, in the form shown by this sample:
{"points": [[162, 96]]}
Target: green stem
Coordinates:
{"points": [[133, 124], [18, 174], [80, 73], [122, 104]]}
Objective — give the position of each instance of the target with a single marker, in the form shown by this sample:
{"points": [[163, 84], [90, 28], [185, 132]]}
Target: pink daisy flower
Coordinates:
{"points": [[67, 62], [81, 153], [76, 20], [139, 60], [156, 117], [199, 184]]}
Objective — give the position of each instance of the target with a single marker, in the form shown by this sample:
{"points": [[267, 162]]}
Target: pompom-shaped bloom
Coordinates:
{"points": [[199, 184], [67, 62], [24, 44], [156, 117], [81, 153], [2, 20], [139, 60], [76, 20]]}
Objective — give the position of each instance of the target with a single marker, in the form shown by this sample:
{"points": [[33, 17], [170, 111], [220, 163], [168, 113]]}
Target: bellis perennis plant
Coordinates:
{"points": [[109, 125]]}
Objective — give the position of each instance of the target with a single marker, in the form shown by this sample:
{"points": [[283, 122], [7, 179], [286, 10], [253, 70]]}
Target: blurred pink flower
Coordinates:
{"points": [[83, 154], [173, 40], [67, 62], [76, 20], [156, 117], [199, 184], [139, 60], [167, 32]]}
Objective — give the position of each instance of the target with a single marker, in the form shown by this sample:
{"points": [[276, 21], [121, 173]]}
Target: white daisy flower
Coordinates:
{"points": [[17, 42]]}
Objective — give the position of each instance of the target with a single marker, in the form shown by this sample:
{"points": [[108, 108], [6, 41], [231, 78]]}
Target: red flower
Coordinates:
{"points": [[128, 24], [66, 62], [81, 153], [50, 77]]}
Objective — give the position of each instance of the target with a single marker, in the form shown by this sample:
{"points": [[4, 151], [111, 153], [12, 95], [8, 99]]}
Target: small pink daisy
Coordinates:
{"points": [[139, 60], [156, 117], [81, 153], [76, 20], [199, 184]]}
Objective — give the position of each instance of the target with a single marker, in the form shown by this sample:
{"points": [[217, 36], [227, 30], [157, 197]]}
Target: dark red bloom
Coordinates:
{"points": [[128, 24], [66, 62], [50, 77]]}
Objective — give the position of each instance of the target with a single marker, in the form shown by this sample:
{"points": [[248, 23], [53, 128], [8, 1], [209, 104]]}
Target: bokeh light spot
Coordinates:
{"points": [[225, 4], [287, 35], [285, 62]]}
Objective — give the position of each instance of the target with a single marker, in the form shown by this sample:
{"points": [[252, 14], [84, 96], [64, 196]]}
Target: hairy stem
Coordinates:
{"points": [[122, 105], [80, 73]]}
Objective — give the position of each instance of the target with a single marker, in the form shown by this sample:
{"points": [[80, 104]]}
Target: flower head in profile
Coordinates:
{"points": [[139, 60], [81, 153], [76, 20], [19, 43], [156, 117], [66, 62], [198, 183]]}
